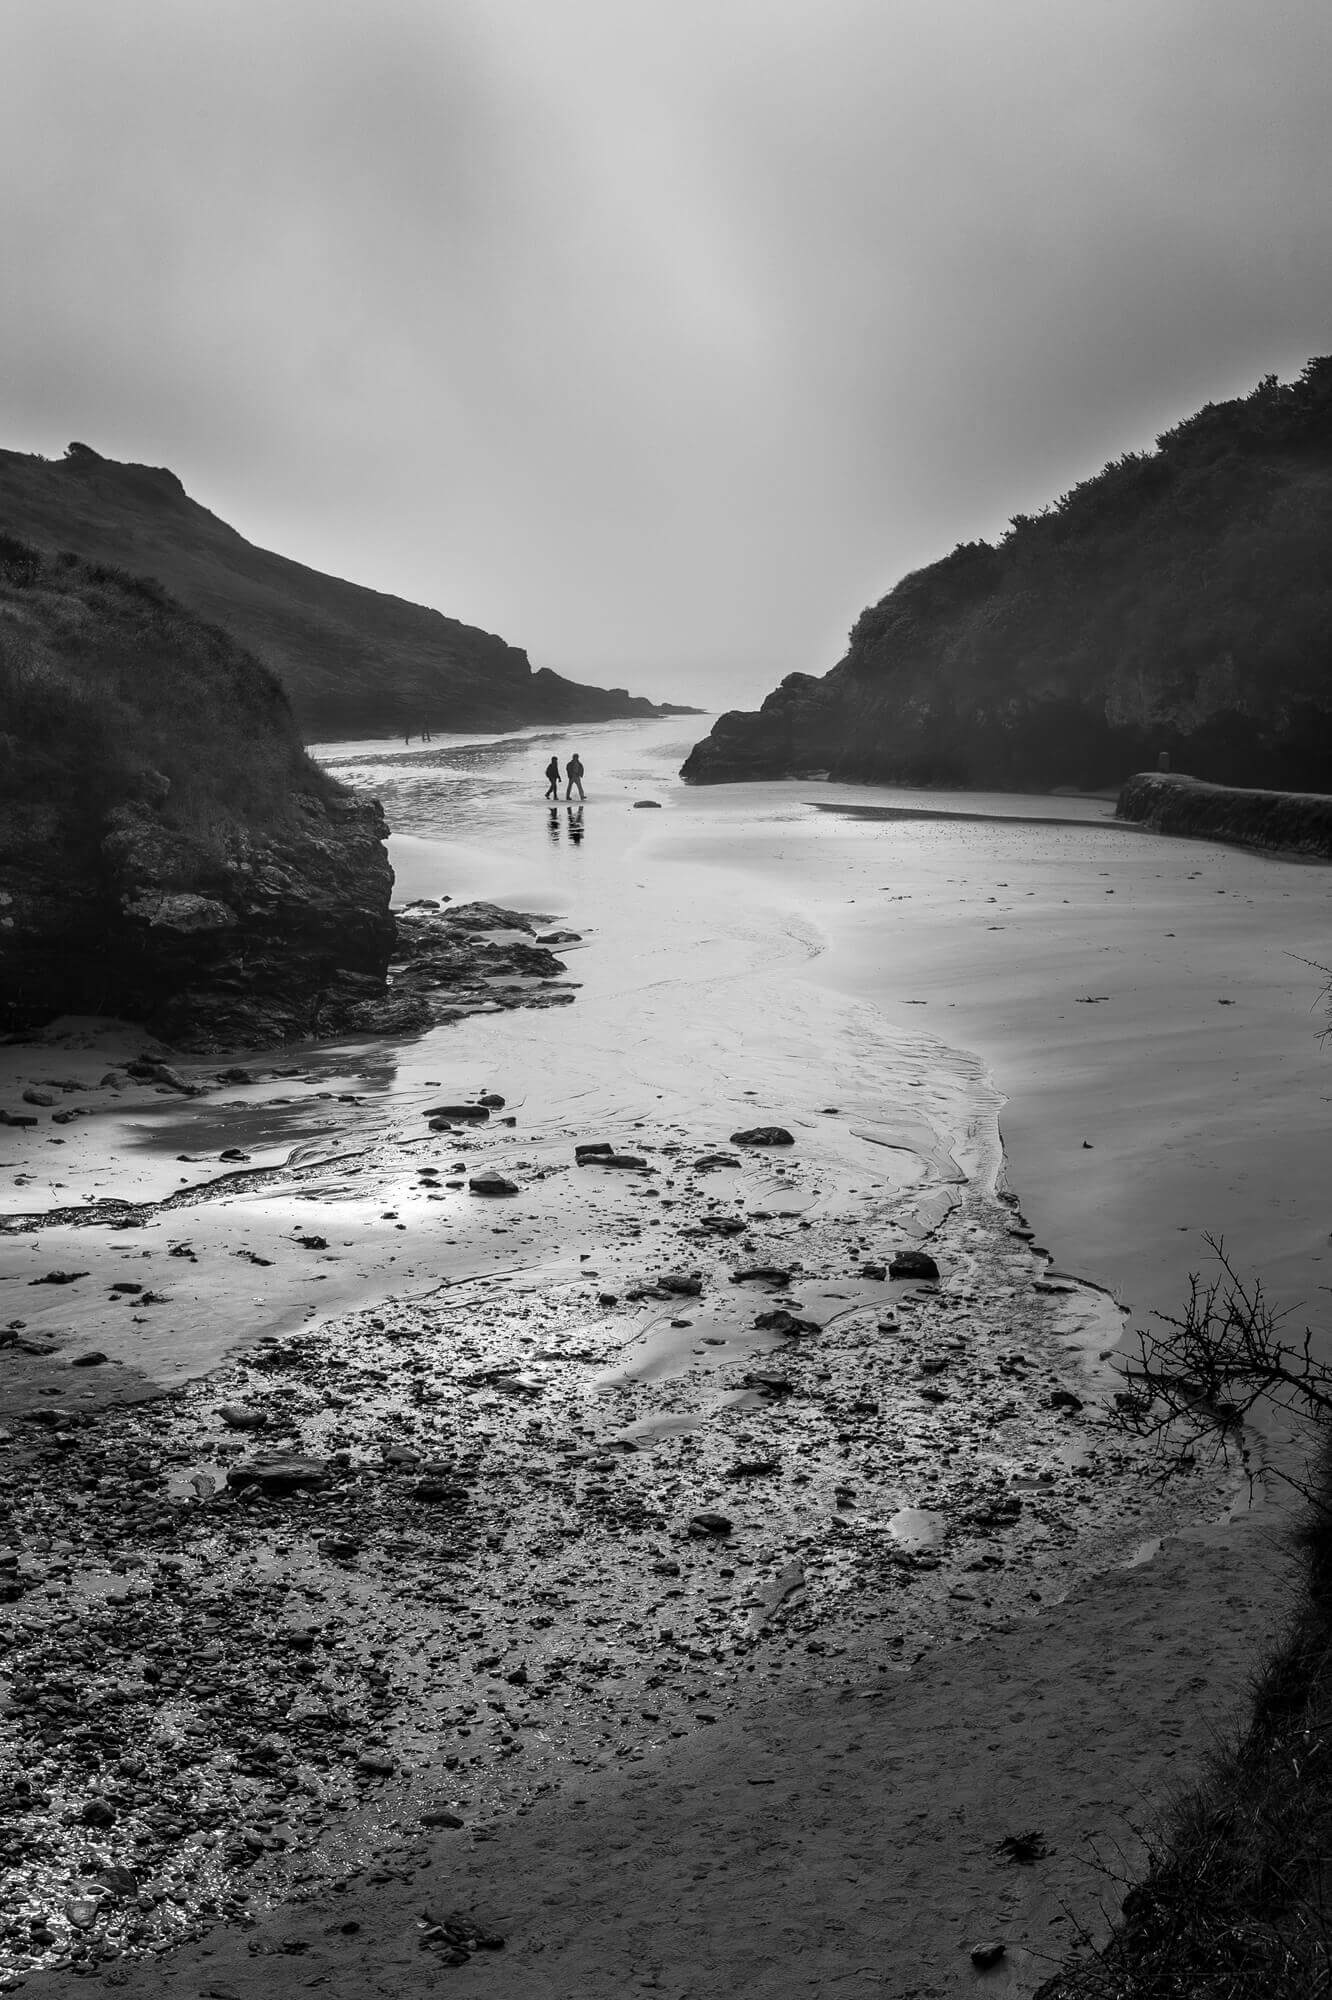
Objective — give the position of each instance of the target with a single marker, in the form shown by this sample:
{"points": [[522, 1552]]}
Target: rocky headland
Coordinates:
{"points": [[169, 855], [1180, 601], [354, 662]]}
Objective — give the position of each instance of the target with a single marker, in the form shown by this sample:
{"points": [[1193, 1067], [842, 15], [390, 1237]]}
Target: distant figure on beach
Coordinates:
{"points": [[574, 773], [553, 778]]}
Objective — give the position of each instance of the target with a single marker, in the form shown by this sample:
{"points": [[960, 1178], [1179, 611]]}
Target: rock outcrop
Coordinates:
{"points": [[1180, 601], [168, 853], [1284, 822], [354, 662]]}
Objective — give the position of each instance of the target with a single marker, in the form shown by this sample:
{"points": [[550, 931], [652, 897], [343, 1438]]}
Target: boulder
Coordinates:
{"points": [[913, 1264]]}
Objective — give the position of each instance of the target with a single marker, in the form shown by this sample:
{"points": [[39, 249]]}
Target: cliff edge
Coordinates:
{"points": [[354, 662], [168, 852], [1180, 601]]}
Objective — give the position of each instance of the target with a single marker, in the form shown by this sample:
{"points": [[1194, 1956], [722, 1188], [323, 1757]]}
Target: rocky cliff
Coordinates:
{"points": [[168, 853], [1179, 601], [354, 662]]}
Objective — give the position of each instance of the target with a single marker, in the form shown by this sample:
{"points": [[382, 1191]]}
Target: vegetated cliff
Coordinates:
{"points": [[168, 852], [1284, 822], [1181, 601], [354, 662]]}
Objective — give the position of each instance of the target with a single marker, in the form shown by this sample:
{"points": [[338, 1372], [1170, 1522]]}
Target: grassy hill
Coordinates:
{"points": [[354, 662], [1181, 600]]}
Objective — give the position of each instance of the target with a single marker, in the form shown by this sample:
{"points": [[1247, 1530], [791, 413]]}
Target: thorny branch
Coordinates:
{"points": [[1193, 1385]]}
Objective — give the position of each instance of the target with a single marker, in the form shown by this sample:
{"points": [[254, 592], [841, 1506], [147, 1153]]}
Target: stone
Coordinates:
{"points": [[592, 1149], [985, 1955], [779, 1320], [440, 1493], [491, 1183], [460, 1114], [645, 805], [43, 1098], [441, 1816], [768, 1384], [278, 1475], [94, 1358], [708, 1523], [768, 1274], [237, 1417], [376, 1763], [58, 1278], [913, 1264], [763, 1135]]}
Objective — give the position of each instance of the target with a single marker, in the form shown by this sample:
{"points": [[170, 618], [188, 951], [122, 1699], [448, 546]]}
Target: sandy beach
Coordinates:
{"points": [[681, 1650]]}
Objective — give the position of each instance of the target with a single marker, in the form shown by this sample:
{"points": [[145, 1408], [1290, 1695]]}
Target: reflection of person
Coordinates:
{"points": [[553, 778], [574, 772], [575, 825]]}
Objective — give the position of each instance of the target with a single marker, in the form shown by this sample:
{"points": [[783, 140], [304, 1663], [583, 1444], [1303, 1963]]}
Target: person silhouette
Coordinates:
{"points": [[553, 778], [574, 773]]}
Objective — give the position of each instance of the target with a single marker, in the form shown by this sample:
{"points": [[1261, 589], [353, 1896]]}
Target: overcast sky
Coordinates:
{"points": [[658, 335]]}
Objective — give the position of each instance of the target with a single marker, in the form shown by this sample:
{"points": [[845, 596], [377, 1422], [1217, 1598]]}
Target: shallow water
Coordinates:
{"points": [[901, 1475]]}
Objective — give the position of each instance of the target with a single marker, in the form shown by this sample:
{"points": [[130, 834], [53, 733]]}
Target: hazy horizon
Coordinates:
{"points": [[659, 343]]}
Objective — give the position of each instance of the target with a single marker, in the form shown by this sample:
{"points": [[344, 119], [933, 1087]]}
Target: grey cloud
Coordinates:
{"points": [[659, 339]]}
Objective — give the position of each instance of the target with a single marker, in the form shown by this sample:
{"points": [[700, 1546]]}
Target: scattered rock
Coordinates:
{"points": [[1025, 1848], [987, 1954], [491, 1183], [710, 1524], [763, 1135], [278, 1475], [913, 1264], [779, 1320], [237, 1417]]}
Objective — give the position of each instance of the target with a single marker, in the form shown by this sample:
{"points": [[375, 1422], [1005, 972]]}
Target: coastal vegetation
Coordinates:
{"points": [[354, 662], [110, 691], [1235, 1902], [168, 851], [1180, 601]]}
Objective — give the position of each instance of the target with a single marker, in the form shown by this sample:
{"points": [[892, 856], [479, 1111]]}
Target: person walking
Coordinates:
{"points": [[573, 770], [553, 778]]}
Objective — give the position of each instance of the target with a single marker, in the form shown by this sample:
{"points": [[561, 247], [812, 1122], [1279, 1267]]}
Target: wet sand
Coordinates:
{"points": [[746, 961]]}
